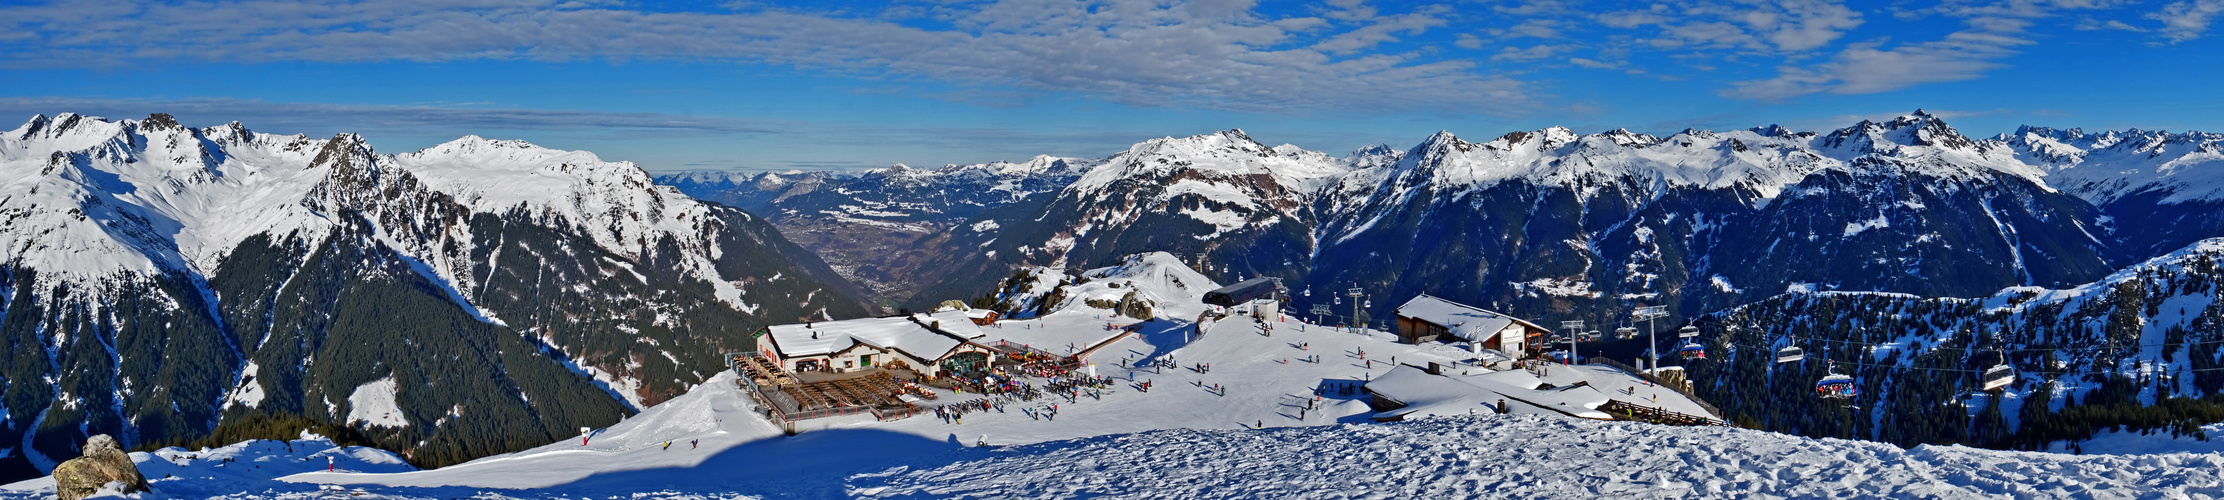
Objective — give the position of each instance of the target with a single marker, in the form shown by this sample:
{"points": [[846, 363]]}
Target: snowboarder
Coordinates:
{"points": [[667, 445]]}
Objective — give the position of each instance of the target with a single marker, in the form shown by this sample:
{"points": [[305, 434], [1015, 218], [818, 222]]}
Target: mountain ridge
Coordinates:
{"points": [[1695, 186], [180, 278]]}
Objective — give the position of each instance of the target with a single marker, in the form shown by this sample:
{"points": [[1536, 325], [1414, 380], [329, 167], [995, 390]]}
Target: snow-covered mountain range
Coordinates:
{"points": [[163, 280], [1561, 225]]}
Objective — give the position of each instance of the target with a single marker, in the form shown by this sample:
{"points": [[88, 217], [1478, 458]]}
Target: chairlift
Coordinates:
{"points": [[1693, 351], [1627, 332], [1789, 355], [1836, 385], [1688, 332]]}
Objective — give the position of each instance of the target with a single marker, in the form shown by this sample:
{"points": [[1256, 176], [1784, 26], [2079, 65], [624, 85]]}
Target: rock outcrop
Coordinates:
{"points": [[102, 464]]}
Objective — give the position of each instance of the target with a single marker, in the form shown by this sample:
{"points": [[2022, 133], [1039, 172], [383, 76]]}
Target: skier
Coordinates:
{"points": [[667, 445]]}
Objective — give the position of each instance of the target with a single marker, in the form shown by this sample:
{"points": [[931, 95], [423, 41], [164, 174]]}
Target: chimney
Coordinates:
{"points": [[1435, 369]]}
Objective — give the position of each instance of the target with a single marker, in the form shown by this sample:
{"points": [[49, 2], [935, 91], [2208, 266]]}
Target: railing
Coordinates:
{"points": [[1083, 356], [1631, 412], [779, 415], [1679, 389]]}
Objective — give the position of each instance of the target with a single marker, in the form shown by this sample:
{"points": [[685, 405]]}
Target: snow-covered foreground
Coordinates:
{"points": [[1532, 457], [2152, 442], [1517, 456]]}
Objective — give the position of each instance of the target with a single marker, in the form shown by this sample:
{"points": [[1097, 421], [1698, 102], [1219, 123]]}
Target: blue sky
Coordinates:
{"points": [[841, 85]]}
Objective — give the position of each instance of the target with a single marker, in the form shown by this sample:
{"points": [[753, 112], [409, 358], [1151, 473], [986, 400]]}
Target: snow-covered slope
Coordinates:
{"points": [[1142, 286], [2109, 165], [156, 263]]}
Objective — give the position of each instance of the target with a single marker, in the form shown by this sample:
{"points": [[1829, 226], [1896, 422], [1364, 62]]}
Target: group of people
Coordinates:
{"points": [[1004, 391], [954, 413], [1341, 389]]}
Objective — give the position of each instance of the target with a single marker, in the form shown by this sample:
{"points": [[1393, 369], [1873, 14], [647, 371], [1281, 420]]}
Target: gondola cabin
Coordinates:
{"points": [[1790, 355], [1692, 351], [1998, 377]]}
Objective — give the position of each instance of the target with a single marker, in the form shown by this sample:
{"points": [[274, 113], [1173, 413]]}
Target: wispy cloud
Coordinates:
{"points": [[324, 117], [618, 135], [1992, 31], [2182, 21], [1764, 26], [1208, 53]]}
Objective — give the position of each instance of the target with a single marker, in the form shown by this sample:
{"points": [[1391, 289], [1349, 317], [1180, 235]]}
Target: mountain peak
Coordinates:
{"points": [[1772, 130], [1920, 128]]}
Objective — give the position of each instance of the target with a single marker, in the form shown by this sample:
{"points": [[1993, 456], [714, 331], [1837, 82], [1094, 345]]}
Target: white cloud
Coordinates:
{"points": [[1992, 32], [1587, 63], [1468, 41], [2183, 21], [1528, 54], [1379, 30], [1777, 25], [1536, 28], [1805, 24], [2090, 24], [1210, 53], [1867, 69], [357, 118]]}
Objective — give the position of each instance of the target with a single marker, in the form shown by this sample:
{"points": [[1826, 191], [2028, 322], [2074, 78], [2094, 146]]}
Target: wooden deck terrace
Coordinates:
{"points": [[1631, 412]]}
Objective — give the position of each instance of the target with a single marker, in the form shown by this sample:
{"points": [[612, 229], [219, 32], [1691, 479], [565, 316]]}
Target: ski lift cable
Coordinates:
{"points": [[1979, 370], [2165, 345]]}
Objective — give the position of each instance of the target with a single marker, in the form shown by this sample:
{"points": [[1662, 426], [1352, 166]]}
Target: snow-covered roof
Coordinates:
{"points": [[908, 334], [1464, 321], [1425, 394]]}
